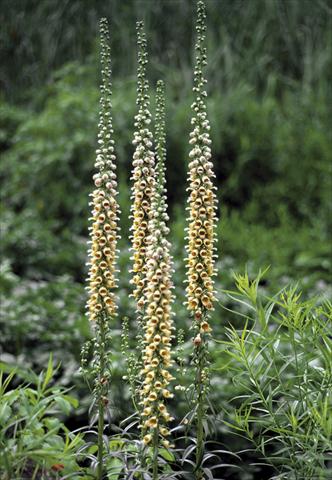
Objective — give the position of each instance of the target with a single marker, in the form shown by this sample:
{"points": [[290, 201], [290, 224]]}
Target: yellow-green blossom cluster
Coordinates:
{"points": [[158, 294], [105, 209], [143, 175], [202, 198]]}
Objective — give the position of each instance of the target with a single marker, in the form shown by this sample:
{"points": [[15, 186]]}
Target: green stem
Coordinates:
{"points": [[8, 466], [100, 439], [200, 440], [297, 376], [101, 399], [155, 454], [35, 472], [200, 414]]}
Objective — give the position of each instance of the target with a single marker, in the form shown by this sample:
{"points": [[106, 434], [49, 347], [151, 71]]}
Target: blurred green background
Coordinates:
{"points": [[270, 97]]}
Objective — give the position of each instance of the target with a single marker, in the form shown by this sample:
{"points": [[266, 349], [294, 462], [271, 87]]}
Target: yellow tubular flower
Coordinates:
{"points": [[105, 209], [143, 175], [158, 295], [202, 201]]}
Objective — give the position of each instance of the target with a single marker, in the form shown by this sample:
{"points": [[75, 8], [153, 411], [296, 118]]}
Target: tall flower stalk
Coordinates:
{"points": [[201, 235], [103, 253], [143, 174], [158, 316], [143, 192]]}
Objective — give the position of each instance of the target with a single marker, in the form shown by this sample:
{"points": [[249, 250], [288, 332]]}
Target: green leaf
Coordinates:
{"points": [[166, 454], [63, 404], [5, 413], [49, 372]]}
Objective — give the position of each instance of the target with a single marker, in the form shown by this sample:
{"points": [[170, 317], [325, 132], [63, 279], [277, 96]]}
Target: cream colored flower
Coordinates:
{"points": [[147, 439]]}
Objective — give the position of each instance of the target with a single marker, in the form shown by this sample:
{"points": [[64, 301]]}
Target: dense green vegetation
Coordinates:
{"points": [[270, 112]]}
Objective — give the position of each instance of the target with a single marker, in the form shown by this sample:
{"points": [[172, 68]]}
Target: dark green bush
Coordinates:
{"points": [[258, 146]]}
